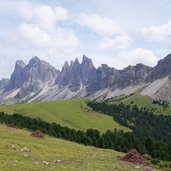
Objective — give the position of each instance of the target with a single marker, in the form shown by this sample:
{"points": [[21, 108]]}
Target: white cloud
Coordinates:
{"points": [[31, 34], [117, 42], [40, 32], [138, 55], [49, 32], [34, 29], [112, 36], [158, 33], [43, 15], [100, 25], [32, 37]]}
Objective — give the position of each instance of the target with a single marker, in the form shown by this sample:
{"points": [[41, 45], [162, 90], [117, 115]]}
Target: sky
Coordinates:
{"points": [[114, 32]]}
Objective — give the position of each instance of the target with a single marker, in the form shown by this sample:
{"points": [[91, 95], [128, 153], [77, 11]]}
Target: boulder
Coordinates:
{"points": [[45, 163], [12, 125], [25, 149], [57, 161], [134, 157], [37, 134]]}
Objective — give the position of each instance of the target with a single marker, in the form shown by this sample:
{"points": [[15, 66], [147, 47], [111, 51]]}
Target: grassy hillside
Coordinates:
{"points": [[71, 113], [72, 155], [142, 101]]}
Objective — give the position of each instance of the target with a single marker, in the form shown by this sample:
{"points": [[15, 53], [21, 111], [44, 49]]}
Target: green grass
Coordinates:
{"points": [[71, 113], [143, 101], [140, 100], [73, 156]]}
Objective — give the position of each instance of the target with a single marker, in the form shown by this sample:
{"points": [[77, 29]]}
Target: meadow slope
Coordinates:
{"points": [[142, 101], [71, 113], [73, 156]]}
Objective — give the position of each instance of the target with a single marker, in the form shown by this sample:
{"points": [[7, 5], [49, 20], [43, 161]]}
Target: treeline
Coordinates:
{"points": [[161, 103], [116, 139], [152, 133], [110, 139]]}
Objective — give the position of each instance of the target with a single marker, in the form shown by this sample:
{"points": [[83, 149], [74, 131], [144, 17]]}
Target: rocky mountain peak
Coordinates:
{"points": [[17, 77], [35, 73], [104, 66], [34, 60], [65, 66], [162, 69], [76, 61], [88, 70], [164, 63], [39, 70], [82, 79], [85, 58], [167, 59], [20, 64], [71, 63], [132, 75], [103, 78], [142, 68], [75, 74], [87, 62], [140, 65], [75, 64]]}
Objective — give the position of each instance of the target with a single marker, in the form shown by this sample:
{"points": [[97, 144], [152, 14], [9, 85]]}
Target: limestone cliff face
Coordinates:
{"points": [[161, 70], [17, 77], [38, 80], [30, 78], [77, 74]]}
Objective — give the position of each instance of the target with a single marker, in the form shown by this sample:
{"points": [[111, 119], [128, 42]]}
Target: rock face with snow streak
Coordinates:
{"points": [[39, 81]]}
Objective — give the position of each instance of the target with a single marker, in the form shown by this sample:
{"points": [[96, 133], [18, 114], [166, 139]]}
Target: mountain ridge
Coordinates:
{"points": [[40, 81]]}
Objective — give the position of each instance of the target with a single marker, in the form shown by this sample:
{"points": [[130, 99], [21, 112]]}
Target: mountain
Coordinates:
{"points": [[27, 80], [40, 81], [77, 74]]}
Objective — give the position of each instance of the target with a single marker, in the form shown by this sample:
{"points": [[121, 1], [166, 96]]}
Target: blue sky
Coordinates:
{"points": [[118, 33]]}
